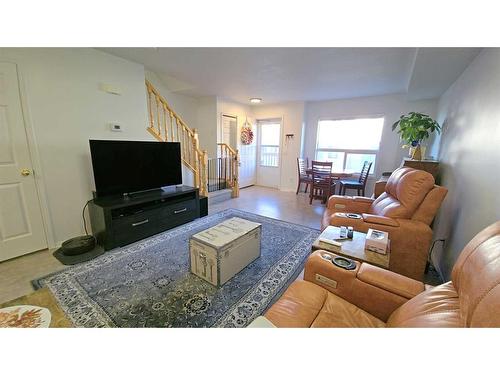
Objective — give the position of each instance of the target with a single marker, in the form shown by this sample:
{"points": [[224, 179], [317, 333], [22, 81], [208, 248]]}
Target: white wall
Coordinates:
{"points": [[207, 124], [293, 120], [470, 157], [389, 106], [66, 109]]}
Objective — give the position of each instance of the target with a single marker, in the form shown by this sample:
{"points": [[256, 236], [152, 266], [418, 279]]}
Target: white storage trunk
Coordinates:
{"points": [[218, 253]]}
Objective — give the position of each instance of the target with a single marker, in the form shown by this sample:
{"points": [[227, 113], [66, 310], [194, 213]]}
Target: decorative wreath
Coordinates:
{"points": [[246, 135]]}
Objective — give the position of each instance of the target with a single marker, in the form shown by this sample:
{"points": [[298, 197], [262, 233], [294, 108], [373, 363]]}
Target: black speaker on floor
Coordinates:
{"points": [[203, 206]]}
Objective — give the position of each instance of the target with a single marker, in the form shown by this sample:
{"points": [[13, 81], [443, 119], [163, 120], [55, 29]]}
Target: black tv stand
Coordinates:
{"points": [[120, 220]]}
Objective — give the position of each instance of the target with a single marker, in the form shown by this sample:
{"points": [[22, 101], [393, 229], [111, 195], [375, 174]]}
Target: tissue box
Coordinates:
{"points": [[377, 241]]}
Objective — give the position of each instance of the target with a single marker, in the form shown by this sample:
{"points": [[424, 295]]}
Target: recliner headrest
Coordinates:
{"points": [[409, 186]]}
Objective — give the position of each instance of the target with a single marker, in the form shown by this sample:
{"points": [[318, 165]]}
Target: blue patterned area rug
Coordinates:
{"points": [[148, 283]]}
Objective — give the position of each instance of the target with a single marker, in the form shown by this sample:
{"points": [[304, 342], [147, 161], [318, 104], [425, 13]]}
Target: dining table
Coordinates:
{"points": [[336, 174]]}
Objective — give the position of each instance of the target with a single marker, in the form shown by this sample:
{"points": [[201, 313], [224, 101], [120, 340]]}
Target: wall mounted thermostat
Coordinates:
{"points": [[116, 127]]}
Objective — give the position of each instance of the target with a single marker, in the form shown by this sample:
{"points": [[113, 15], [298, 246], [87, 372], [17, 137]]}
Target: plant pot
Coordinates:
{"points": [[417, 153]]}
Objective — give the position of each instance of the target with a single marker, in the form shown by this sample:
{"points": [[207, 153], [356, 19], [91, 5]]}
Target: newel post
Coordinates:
{"points": [[196, 147], [236, 185]]}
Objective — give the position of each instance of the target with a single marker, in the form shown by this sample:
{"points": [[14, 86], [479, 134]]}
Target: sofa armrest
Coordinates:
{"points": [[379, 187], [382, 220], [376, 300], [390, 281], [342, 278], [340, 203]]}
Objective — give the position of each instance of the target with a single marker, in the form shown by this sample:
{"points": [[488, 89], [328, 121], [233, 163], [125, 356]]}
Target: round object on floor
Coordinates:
{"points": [[24, 316], [78, 250], [78, 245]]}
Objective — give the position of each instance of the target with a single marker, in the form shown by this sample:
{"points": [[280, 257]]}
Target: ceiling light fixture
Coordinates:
{"points": [[255, 100]]}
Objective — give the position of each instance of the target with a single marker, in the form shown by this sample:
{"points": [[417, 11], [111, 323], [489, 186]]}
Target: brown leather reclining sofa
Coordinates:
{"points": [[368, 296], [405, 210]]}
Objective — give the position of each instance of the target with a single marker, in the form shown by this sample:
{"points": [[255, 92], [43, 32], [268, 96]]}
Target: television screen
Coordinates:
{"points": [[131, 166]]}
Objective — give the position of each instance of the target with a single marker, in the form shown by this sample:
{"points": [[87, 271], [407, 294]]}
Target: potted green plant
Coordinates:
{"points": [[414, 128]]}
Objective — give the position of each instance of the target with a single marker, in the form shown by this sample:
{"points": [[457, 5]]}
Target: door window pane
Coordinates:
{"points": [[269, 144], [269, 156], [270, 134]]}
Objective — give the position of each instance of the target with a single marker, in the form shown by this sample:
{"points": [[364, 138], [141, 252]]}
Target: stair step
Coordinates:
{"points": [[219, 196], [214, 185]]}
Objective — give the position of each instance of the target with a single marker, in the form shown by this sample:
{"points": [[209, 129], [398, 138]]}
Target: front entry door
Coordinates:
{"points": [[269, 155], [21, 225], [229, 125]]}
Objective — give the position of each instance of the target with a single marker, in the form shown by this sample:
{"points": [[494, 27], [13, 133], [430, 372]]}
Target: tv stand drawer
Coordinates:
{"points": [[180, 209], [127, 221], [131, 228]]}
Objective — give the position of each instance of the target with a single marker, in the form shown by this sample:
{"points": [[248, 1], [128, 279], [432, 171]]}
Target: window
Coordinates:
{"points": [[269, 143], [349, 143]]}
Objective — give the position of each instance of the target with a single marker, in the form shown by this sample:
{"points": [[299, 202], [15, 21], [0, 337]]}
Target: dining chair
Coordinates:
{"points": [[360, 184], [304, 178], [322, 183]]}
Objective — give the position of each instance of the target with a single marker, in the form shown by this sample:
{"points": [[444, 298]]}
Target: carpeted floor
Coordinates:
{"points": [[148, 283]]}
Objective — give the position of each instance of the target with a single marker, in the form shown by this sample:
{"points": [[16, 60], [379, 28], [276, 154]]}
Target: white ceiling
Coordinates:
{"points": [[304, 74]]}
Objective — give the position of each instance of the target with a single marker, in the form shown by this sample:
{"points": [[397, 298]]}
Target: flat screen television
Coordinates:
{"points": [[124, 167]]}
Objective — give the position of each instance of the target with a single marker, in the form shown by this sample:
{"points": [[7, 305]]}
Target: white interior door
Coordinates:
{"points": [[21, 225], [269, 153], [248, 161], [228, 130]]}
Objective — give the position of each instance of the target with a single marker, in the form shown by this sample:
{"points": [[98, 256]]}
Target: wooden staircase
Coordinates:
{"points": [[166, 126]]}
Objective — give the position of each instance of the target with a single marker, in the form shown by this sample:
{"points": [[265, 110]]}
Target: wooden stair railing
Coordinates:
{"points": [[166, 126], [231, 158]]}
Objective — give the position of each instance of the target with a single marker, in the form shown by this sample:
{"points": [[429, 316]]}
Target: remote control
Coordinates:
{"points": [[343, 232], [350, 232]]}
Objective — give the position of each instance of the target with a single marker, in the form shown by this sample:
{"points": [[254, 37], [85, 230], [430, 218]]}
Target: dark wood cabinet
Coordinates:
{"points": [[431, 166], [118, 221]]}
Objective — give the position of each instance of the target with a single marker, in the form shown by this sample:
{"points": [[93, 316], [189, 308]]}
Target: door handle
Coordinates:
{"points": [[25, 172], [179, 211]]}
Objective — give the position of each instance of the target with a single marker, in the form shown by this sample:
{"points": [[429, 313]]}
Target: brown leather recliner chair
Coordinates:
{"points": [[405, 210], [369, 296]]}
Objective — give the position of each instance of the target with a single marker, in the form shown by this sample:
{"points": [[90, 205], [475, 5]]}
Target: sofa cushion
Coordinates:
{"points": [[298, 306], [436, 307], [338, 313], [305, 304]]}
